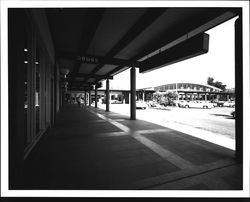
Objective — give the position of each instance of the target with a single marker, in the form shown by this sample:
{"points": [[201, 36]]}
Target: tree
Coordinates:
{"points": [[172, 95], [165, 98], [210, 81], [218, 84]]}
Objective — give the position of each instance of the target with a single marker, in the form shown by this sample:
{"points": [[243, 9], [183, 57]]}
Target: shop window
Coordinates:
{"points": [[25, 70], [38, 91]]}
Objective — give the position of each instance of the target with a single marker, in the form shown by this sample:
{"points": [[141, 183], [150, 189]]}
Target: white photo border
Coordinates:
{"points": [[103, 193]]}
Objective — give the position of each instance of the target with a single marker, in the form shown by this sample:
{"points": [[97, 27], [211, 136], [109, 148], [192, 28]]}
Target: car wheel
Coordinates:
{"points": [[186, 106]]}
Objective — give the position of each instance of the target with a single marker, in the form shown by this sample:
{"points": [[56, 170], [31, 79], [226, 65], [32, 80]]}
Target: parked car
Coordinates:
{"points": [[199, 104], [141, 105], [220, 103], [181, 103], [229, 104], [214, 103], [233, 114], [115, 102], [152, 104]]}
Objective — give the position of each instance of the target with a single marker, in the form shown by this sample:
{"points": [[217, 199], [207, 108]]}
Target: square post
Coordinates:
{"points": [[95, 96], [89, 97], [238, 90], [143, 96], [85, 98], [133, 93], [107, 95]]}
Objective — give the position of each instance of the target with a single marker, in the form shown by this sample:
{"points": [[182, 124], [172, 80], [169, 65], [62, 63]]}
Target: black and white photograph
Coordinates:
{"points": [[125, 99]]}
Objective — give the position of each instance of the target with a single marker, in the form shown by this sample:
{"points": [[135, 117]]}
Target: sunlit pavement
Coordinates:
{"points": [[215, 125]]}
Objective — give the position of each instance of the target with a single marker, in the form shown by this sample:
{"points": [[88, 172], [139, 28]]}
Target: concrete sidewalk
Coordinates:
{"points": [[91, 149]]}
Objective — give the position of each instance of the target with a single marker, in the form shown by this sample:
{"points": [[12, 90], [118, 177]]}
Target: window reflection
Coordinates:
{"points": [[25, 96], [37, 93], [25, 70]]}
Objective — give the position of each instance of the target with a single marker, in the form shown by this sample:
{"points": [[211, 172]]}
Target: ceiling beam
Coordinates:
{"points": [[78, 83], [87, 88], [141, 24], [95, 76], [117, 70], [190, 48], [94, 59]]}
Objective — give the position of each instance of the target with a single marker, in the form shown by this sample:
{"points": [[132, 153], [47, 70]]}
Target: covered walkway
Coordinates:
{"points": [[53, 145], [92, 149]]}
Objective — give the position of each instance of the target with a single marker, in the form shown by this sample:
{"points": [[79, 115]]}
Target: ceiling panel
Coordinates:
{"points": [[167, 22], [79, 78], [91, 80], [86, 68], [106, 69], [67, 64], [115, 23], [67, 26]]}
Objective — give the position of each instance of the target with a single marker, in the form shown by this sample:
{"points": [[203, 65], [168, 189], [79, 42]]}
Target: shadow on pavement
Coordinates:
{"points": [[223, 115]]}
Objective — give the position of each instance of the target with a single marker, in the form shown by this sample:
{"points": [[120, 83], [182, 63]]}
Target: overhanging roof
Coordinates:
{"points": [[97, 43]]}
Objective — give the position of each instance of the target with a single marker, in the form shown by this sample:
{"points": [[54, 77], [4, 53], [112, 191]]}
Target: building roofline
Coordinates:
{"points": [[206, 85]]}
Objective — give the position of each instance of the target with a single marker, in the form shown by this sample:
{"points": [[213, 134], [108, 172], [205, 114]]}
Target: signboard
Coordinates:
{"points": [[189, 48], [88, 59]]}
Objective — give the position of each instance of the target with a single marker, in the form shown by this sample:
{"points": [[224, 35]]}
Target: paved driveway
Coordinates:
{"points": [[216, 122]]}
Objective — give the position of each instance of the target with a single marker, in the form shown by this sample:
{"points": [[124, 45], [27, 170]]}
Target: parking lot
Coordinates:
{"points": [[216, 122]]}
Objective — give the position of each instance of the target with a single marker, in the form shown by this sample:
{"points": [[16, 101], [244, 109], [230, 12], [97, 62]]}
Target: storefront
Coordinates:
{"points": [[33, 80]]}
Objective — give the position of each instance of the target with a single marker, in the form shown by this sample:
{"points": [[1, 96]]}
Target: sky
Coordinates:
{"points": [[217, 63]]}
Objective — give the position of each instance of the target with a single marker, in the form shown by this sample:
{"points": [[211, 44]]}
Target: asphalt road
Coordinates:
{"points": [[216, 120]]}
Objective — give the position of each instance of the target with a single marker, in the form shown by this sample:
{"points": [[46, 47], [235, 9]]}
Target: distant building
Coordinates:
{"points": [[185, 91], [193, 91]]}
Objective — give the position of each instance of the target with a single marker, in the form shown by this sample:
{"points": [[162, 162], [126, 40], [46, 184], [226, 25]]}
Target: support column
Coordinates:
{"points": [[133, 93], [143, 96], [89, 97], [107, 95], [85, 98], [205, 96], [95, 96], [238, 89]]}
